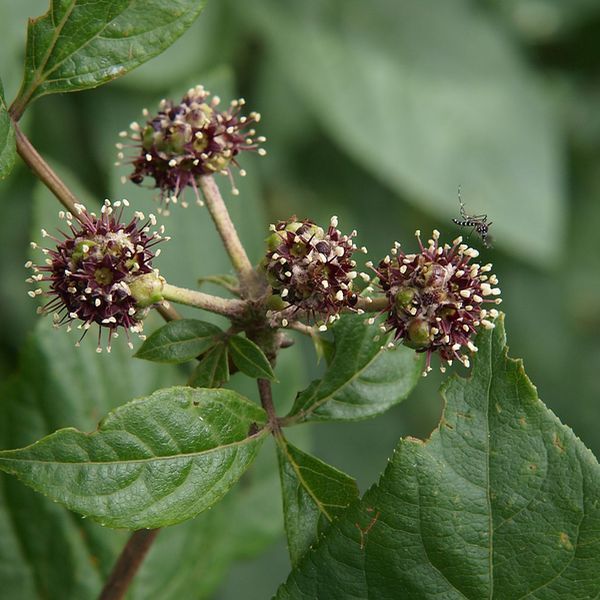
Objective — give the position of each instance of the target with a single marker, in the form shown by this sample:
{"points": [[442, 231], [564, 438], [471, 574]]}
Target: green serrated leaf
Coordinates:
{"points": [[58, 385], [213, 370], [49, 553], [249, 358], [314, 493], [153, 462], [362, 380], [442, 113], [501, 501], [188, 561], [8, 150], [179, 341], [78, 45]]}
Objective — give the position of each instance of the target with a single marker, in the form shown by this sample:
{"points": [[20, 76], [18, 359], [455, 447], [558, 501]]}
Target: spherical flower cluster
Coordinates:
{"points": [[311, 269], [187, 140], [101, 271], [436, 298]]}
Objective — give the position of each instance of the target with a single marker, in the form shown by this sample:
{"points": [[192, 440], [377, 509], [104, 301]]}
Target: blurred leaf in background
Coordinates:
{"points": [[375, 112]]}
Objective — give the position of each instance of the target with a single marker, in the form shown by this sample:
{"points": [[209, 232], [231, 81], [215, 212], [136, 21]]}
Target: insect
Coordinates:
{"points": [[479, 223]]}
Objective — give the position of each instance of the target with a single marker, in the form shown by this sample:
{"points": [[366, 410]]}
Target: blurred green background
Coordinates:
{"points": [[375, 111]]}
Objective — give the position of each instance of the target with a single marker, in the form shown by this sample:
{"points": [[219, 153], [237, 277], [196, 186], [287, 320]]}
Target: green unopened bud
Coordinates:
{"points": [[148, 138], [218, 162], [201, 117], [81, 249], [273, 241], [147, 289], [275, 302], [418, 334], [177, 142], [404, 298]]}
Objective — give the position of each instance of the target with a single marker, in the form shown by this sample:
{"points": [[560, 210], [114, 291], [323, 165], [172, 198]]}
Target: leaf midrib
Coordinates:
{"points": [[284, 447], [246, 440], [83, 45], [487, 473], [36, 80], [176, 343], [305, 412]]}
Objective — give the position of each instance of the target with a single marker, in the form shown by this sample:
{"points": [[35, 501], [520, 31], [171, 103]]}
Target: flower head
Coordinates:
{"points": [[436, 297], [101, 271], [187, 140], [311, 268]]}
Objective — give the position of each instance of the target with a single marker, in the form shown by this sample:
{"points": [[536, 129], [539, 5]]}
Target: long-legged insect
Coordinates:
{"points": [[478, 223]]}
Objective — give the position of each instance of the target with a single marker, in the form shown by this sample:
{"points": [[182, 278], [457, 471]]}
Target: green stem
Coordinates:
{"points": [[220, 216], [215, 304]]}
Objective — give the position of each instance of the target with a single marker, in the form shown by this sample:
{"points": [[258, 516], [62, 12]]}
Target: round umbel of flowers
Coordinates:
{"points": [[189, 139], [311, 268], [101, 271], [436, 298]]}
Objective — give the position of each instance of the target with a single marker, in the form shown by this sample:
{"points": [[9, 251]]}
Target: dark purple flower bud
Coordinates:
{"points": [[312, 269], [436, 298], [101, 271], [187, 140]]}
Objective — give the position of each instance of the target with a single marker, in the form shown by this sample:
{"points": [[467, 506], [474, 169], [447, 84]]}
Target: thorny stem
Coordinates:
{"points": [[266, 399], [220, 215], [127, 564], [44, 172], [221, 306]]}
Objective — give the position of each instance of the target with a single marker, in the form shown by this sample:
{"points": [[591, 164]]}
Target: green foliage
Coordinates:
{"points": [[152, 462], [189, 560], [447, 100], [314, 493], [213, 370], [78, 45], [501, 500], [362, 379], [8, 152], [408, 97], [46, 551], [179, 341], [249, 358]]}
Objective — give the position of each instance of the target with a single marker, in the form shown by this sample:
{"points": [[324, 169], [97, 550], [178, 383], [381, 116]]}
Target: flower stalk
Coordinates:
{"points": [[226, 229], [222, 306]]}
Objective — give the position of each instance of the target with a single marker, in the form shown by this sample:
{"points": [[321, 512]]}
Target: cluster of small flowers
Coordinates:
{"points": [[312, 269], [436, 297], [190, 139], [101, 272]]}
